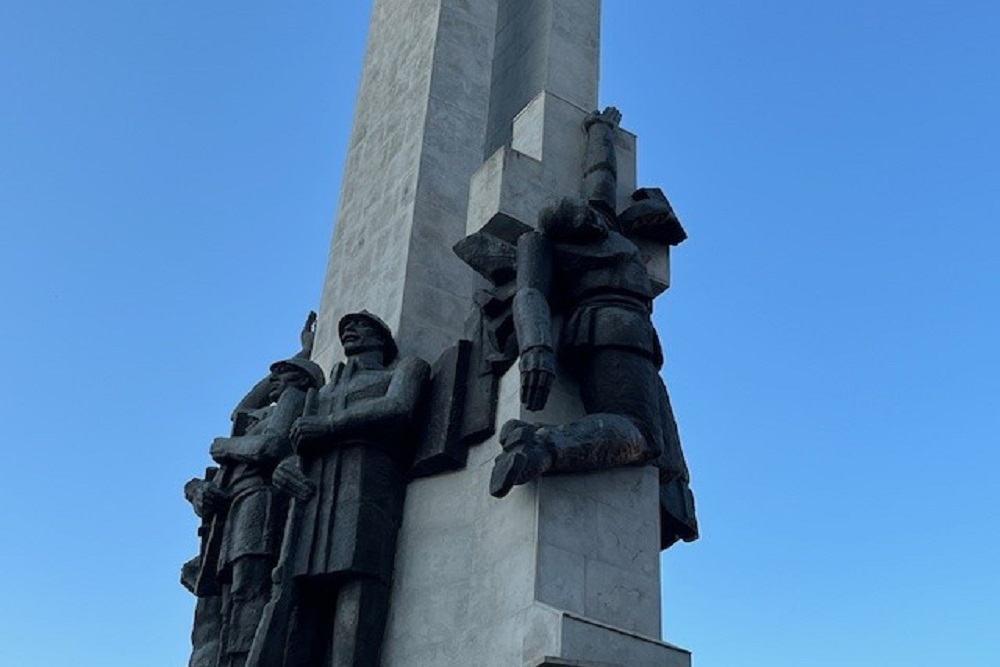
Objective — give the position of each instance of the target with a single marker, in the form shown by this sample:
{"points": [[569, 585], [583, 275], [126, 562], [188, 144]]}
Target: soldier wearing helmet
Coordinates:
{"points": [[246, 517], [353, 449]]}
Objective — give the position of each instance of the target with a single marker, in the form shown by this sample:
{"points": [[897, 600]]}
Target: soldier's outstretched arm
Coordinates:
{"points": [[257, 448], [533, 319]]}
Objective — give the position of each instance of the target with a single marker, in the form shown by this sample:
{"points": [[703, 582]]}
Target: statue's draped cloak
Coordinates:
{"points": [[349, 525]]}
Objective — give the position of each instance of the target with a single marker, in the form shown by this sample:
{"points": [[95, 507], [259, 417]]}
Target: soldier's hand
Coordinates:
{"points": [[192, 488], [208, 499], [307, 429], [308, 335], [219, 451], [537, 374], [611, 117], [189, 573], [290, 480]]}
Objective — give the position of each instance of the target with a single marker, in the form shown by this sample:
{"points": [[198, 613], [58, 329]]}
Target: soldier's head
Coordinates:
{"points": [[299, 373], [363, 332]]}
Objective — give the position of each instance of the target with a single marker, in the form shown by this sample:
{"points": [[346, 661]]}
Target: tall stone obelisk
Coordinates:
{"points": [[470, 114], [419, 131]]}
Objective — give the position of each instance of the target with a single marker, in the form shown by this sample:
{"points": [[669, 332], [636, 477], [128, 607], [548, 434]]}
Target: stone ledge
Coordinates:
{"points": [[585, 639], [562, 662]]}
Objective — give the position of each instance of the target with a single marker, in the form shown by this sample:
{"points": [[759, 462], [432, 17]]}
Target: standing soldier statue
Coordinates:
{"points": [[246, 516], [353, 446]]}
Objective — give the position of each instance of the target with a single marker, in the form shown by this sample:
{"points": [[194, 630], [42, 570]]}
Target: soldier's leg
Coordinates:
{"points": [[359, 623], [244, 604], [309, 632], [626, 384], [205, 636], [620, 392]]}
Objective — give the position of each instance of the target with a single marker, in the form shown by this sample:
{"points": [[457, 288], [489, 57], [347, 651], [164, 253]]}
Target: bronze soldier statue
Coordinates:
{"points": [[580, 264], [353, 447], [247, 517]]}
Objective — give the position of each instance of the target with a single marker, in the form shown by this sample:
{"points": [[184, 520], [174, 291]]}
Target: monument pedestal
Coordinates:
{"points": [[562, 569]]}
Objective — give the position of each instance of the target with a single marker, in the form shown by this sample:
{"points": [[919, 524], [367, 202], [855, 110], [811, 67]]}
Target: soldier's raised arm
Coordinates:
{"points": [[307, 337], [258, 396], [600, 174]]}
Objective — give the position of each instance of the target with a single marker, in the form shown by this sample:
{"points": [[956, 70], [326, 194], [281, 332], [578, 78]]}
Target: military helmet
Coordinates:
{"points": [[390, 345], [651, 217], [310, 368]]}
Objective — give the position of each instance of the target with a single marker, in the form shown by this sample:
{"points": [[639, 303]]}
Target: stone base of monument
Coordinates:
{"points": [[562, 570], [585, 643]]}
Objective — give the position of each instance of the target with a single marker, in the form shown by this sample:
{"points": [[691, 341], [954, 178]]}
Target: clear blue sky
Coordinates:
{"points": [[168, 178]]}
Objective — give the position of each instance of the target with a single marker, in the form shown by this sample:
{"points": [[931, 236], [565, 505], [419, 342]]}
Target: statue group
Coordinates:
{"points": [[301, 511]]}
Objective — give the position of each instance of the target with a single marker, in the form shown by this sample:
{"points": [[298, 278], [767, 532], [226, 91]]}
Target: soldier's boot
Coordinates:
{"points": [[527, 454], [596, 442]]}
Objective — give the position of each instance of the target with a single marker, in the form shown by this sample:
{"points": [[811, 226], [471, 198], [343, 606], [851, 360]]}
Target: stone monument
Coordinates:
{"points": [[493, 468]]}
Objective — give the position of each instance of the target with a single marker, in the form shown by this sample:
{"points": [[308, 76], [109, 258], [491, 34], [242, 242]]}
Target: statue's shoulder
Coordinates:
{"points": [[413, 366], [260, 414], [335, 374]]}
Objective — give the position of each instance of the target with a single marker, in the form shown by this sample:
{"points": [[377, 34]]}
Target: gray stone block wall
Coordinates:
{"points": [[541, 165], [585, 640], [419, 128], [519, 63], [542, 45]]}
